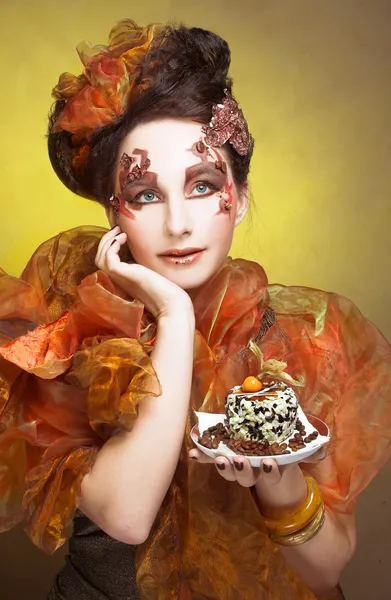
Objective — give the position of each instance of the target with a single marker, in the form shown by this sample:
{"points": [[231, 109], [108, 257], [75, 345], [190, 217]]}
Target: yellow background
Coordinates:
{"points": [[314, 80]]}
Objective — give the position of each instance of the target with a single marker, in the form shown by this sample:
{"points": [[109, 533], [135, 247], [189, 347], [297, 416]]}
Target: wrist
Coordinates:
{"points": [[181, 311], [293, 528], [287, 495], [176, 330]]}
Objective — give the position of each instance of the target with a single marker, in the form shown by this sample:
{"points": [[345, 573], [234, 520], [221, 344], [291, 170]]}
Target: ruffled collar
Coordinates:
{"points": [[229, 307]]}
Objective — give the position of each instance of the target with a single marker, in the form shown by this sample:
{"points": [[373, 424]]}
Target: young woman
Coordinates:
{"points": [[110, 340]]}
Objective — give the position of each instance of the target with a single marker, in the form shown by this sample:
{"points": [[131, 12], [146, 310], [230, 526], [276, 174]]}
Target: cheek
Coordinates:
{"points": [[222, 230], [215, 223], [140, 235]]}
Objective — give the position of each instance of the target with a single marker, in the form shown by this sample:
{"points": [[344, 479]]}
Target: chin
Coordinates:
{"points": [[188, 277], [189, 282]]}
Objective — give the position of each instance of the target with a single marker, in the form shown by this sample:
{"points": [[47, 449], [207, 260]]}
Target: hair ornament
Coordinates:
{"points": [[228, 124], [112, 78]]}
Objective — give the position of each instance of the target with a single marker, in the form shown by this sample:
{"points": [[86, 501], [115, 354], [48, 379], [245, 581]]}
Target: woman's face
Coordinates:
{"points": [[174, 211]]}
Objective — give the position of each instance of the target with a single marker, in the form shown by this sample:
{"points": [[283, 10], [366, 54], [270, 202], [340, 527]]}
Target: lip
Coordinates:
{"points": [[187, 256], [181, 251]]}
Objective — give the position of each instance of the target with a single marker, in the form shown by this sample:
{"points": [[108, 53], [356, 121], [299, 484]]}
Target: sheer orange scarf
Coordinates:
{"points": [[75, 364]]}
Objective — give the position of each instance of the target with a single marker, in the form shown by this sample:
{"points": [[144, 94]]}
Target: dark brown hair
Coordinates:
{"points": [[187, 74]]}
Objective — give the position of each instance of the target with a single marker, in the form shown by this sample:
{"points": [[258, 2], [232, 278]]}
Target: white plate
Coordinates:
{"points": [[206, 420]]}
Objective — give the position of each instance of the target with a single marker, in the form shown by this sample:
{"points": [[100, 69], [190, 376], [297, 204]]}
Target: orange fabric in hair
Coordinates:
{"points": [[112, 77]]}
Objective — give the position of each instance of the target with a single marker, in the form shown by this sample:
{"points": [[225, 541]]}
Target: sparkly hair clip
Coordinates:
{"points": [[228, 124]]}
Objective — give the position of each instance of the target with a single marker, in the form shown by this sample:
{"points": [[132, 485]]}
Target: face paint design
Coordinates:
{"points": [[200, 147], [226, 193], [206, 175], [221, 166], [126, 161], [115, 204], [226, 198], [127, 177], [203, 151]]}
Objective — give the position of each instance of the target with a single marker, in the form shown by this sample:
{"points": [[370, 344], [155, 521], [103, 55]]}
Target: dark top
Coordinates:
{"points": [[97, 566]]}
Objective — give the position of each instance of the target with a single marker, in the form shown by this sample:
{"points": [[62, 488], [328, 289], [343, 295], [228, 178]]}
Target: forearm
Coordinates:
{"points": [[133, 470], [320, 561]]}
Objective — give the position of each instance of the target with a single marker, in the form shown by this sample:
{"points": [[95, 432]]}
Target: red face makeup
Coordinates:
{"points": [[226, 199], [225, 193], [127, 177]]}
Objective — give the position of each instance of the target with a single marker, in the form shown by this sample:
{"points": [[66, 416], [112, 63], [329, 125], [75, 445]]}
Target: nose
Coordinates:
{"points": [[178, 220]]}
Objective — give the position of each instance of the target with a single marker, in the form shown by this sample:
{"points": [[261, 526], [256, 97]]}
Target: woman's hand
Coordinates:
{"points": [[159, 295], [277, 487]]}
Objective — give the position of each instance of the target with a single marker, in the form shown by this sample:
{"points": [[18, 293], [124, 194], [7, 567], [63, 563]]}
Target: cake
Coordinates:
{"points": [[267, 414]]}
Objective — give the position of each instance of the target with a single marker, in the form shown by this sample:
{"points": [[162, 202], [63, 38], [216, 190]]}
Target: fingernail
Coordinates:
{"points": [[238, 465], [220, 466], [267, 468]]}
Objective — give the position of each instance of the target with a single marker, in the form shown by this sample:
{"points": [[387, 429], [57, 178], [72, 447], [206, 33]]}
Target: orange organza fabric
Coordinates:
{"points": [[74, 381], [75, 364], [113, 76]]}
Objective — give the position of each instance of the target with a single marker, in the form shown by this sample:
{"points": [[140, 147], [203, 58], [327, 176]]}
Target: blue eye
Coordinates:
{"points": [[202, 188], [147, 197]]}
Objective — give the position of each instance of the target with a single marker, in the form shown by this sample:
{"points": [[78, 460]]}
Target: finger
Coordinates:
{"points": [[108, 236], [225, 469], [110, 258], [271, 474], [245, 474], [110, 241], [118, 241], [200, 457]]}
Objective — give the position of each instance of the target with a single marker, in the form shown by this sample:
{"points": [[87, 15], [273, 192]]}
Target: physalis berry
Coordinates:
{"points": [[251, 384]]}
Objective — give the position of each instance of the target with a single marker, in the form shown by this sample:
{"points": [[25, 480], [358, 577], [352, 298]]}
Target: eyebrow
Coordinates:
{"points": [[199, 170], [149, 178], [202, 170]]}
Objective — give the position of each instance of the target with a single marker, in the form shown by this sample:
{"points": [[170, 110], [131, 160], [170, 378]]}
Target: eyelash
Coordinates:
{"points": [[211, 190], [211, 187], [144, 193]]}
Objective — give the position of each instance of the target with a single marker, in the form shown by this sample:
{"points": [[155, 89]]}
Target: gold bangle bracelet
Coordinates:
{"points": [[305, 534], [289, 522]]}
